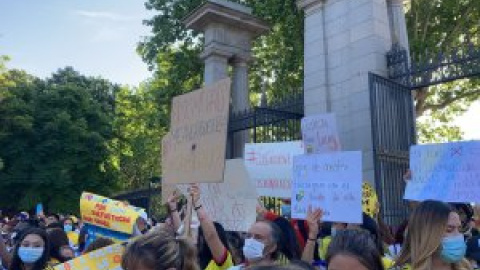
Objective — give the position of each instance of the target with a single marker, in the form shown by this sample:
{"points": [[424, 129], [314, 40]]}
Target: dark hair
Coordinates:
{"points": [[370, 225], [204, 253], [288, 242], [58, 238], [276, 236], [54, 215], [17, 263], [236, 242], [99, 243], [356, 243], [68, 218], [55, 225], [160, 250]]}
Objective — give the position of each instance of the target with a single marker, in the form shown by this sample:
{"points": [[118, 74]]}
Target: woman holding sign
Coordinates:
{"points": [[433, 239], [212, 240]]}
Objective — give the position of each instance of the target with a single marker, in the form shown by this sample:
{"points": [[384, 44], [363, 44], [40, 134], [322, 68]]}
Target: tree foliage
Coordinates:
{"points": [[433, 26], [54, 136]]}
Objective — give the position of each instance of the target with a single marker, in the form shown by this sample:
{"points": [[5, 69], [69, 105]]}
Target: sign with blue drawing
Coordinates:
{"points": [[448, 172], [332, 182]]}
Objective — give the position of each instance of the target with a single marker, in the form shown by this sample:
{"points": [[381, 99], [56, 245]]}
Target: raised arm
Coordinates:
{"points": [[313, 219]]}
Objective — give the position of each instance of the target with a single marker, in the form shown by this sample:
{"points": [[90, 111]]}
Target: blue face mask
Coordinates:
{"points": [[30, 254], [453, 248], [67, 228]]}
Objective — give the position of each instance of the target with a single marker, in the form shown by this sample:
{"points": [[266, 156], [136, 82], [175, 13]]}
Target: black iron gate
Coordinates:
{"points": [[393, 132]]}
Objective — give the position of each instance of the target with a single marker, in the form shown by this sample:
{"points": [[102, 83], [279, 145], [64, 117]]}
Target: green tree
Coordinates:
{"points": [[433, 26], [54, 140]]}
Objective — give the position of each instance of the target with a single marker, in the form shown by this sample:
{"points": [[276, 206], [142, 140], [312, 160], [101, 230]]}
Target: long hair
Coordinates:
{"points": [[17, 263], [204, 253], [425, 231], [58, 238], [289, 243], [160, 250], [356, 243]]}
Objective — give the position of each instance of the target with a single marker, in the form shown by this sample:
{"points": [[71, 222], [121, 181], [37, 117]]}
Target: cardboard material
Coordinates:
{"points": [[232, 203], [194, 149]]}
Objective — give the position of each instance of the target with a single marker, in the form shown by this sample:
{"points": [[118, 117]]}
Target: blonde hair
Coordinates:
{"points": [[426, 228], [160, 250]]}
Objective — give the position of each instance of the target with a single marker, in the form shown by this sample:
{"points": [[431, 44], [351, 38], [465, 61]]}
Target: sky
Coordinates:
{"points": [[97, 38]]}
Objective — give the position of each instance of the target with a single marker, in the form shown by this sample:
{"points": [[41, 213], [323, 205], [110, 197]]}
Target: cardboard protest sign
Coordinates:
{"points": [[448, 172], [233, 202], [270, 166], [319, 134], [107, 213], [332, 182], [107, 258], [194, 149]]}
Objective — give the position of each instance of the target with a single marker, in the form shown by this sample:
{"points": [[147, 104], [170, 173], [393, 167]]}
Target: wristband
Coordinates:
{"points": [[198, 207], [312, 239]]}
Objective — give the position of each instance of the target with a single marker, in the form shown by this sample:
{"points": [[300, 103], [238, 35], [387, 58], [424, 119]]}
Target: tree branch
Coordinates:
{"points": [[450, 100]]}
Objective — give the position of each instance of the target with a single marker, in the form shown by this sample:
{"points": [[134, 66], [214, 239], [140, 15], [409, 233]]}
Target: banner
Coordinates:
{"points": [[270, 166], [319, 134], [233, 202], [107, 258], [448, 172], [332, 182], [194, 149], [107, 213]]}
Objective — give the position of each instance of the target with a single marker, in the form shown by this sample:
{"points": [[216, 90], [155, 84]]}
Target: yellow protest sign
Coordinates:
{"points": [[107, 258], [107, 213]]}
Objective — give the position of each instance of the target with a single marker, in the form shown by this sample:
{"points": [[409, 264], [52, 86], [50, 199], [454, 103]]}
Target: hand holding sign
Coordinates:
{"points": [[314, 216]]}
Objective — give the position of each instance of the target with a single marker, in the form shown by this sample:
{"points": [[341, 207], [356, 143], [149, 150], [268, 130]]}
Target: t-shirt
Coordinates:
{"points": [[224, 264]]}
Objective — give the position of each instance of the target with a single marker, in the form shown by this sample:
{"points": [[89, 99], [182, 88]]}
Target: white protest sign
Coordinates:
{"points": [[448, 172], [233, 202], [332, 182], [194, 149], [270, 166], [319, 134]]}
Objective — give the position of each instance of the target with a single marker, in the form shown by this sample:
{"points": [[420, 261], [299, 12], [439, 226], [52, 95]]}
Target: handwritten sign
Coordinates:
{"points": [[194, 149], [107, 213], [107, 258], [319, 134], [332, 182], [447, 172], [233, 202], [270, 166], [94, 232]]}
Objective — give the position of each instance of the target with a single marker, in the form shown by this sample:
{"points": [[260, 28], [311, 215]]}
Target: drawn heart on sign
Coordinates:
{"points": [[300, 196]]}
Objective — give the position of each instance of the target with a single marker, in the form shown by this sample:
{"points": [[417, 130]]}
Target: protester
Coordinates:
{"points": [[69, 228], [433, 239], [160, 250], [212, 240], [473, 251], [353, 249], [31, 253], [52, 218], [58, 239], [289, 246]]}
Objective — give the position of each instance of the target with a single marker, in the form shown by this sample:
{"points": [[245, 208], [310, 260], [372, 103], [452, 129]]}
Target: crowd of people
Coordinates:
{"points": [[436, 236]]}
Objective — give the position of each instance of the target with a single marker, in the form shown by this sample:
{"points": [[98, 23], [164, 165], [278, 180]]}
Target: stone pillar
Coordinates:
{"points": [[398, 25], [344, 41], [240, 101], [229, 31], [315, 86]]}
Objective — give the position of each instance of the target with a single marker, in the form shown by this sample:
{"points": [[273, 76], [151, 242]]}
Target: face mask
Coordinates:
{"points": [[67, 228], [30, 254], [253, 249], [453, 248]]}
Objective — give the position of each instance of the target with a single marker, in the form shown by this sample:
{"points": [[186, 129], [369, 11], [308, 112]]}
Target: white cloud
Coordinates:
{"points": [[104, 15]]}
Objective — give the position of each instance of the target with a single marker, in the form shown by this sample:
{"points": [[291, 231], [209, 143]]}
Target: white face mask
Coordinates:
{"points": [[253, 249]]}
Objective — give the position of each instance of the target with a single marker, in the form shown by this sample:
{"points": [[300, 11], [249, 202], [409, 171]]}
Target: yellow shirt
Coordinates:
{"points": [[212, 265], [73, 238]]}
